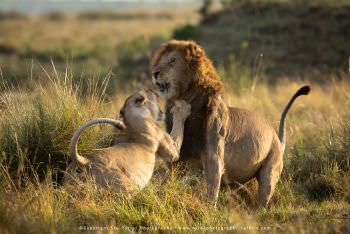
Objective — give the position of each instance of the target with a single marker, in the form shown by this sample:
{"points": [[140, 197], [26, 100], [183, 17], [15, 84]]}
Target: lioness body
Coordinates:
{"points": [[129, 164], [229, 143], [124, 166]]}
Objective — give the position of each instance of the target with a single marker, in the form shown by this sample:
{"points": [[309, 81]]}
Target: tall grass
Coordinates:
{"points": [[36, 126], [35, 130]]}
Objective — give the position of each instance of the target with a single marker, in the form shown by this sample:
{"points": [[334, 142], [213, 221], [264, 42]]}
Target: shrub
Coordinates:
{"points": [[186, 32], [55, 16], [12, 15]]}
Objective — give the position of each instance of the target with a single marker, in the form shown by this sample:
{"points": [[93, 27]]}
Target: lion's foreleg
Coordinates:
{"points": [[180, 112], [213, 157], [177, 133], [213, 164], [212, 173]]}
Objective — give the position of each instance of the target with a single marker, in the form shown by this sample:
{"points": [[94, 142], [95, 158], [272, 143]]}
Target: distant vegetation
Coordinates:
{"points": [[295, 38], [91, 43], [11, 15], [124, 16]]}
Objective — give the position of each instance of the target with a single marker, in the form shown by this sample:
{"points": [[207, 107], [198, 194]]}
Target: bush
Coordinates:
{"points": [[55, 16], [12, 15], [186, 32]]}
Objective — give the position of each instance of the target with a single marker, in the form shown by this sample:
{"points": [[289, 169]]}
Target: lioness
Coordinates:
{"points": [[129, 165], [224, 141]]}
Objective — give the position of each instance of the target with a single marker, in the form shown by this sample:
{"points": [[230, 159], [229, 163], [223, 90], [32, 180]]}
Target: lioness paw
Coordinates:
{"points": [[181, 109]]}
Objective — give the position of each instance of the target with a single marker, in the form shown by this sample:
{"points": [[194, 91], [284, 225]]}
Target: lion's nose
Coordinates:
{"points": [[156, 74]]}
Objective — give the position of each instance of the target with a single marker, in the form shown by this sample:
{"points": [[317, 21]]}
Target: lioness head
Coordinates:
{"points": [[142, 104], [179, 67]]}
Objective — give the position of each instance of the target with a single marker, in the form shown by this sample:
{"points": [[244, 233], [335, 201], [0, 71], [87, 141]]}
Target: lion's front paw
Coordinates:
{"points": [[181, 110]]}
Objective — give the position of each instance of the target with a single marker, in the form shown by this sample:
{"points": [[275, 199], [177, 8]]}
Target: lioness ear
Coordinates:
{"points": [[141, 100]]}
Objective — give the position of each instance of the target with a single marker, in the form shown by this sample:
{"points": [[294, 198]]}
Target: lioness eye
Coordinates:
{"points": [[172, 60]]}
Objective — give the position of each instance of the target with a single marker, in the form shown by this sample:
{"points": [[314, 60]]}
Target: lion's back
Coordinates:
{"points": [[245, 121]]}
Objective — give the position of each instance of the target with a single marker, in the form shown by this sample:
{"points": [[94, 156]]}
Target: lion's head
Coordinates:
{"points": [[182, 67]]}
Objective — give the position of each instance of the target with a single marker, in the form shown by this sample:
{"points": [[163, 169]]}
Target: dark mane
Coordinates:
{"points": [[203, 72]]}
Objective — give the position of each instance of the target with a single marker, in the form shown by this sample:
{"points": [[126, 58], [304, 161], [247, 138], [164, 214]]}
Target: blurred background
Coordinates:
{"points": [[90, 38], [248, 40]]}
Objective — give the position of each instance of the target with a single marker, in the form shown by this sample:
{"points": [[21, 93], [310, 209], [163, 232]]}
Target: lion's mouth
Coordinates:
{"points": [[163, 87]]}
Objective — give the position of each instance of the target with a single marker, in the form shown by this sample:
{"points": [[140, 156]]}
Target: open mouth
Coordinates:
{"points": [[163, 87]]}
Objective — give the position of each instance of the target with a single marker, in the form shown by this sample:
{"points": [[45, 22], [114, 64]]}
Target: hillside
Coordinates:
{"points": [[294, 39]]}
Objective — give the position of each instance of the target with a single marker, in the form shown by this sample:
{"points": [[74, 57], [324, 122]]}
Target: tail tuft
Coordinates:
{"points": [[305, 90]]}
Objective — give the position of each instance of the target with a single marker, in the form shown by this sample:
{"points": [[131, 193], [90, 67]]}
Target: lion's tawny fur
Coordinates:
{"points": [[229, 144]]}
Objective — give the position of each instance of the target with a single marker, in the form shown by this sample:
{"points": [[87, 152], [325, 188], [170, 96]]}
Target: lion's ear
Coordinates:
{"points": [[194, 52]]}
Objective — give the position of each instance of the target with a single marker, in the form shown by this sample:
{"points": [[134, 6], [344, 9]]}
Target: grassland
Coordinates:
{"points": [[46, 95], [95, 43]]}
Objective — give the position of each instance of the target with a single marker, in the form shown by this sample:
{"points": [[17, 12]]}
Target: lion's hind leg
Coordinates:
{"points": [[269, 174]]}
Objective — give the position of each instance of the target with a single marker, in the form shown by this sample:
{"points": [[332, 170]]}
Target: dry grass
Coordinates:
{"points": [[308, 112], [36, 127], [93, 45], [74, 31]]}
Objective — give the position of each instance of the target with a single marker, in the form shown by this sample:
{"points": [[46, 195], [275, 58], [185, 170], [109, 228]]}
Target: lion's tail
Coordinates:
{"points": [[281, 132], [73, 146]]}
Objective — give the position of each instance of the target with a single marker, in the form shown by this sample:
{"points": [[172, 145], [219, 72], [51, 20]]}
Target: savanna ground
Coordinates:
{"points": [[60, 70]]}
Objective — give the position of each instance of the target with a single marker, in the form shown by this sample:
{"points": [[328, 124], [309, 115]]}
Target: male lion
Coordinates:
{"points": [[129, 165], [224, 141]]}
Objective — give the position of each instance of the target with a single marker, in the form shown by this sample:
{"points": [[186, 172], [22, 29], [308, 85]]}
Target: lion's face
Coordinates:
{"points": [[181, 69], [168, 75]]}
